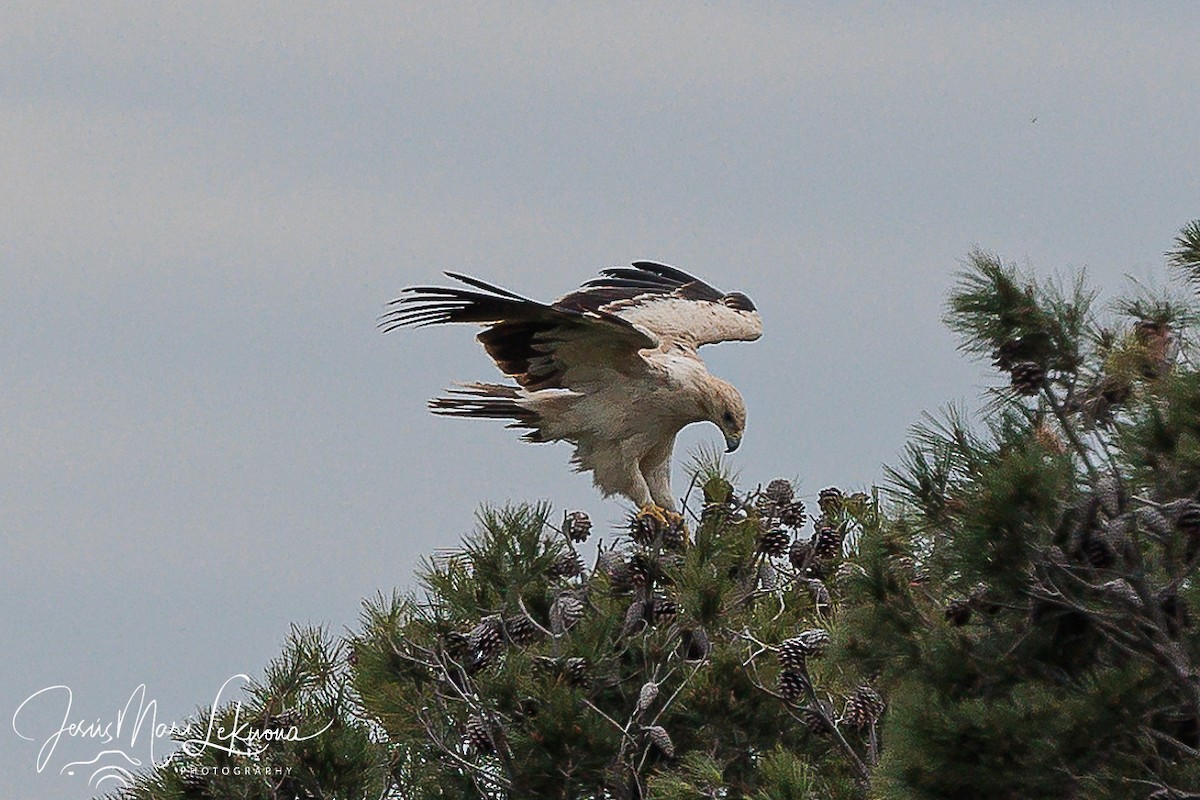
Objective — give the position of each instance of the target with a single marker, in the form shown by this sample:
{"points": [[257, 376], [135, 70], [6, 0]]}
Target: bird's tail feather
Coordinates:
{"points": [[489, 401]]}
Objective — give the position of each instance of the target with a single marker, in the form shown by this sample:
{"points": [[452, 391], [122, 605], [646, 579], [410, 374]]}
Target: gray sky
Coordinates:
{"points": [[206, 439]]}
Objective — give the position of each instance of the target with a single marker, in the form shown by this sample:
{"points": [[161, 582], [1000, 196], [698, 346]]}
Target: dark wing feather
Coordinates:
{"points": [[640, 279], [538, 345], [669, 302]]}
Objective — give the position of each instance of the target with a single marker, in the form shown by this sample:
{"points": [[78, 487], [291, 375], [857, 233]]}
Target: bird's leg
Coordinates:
{"points": [[653, 475]]}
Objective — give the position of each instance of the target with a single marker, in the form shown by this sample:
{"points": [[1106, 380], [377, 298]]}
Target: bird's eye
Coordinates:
{"points": [[728, 417]]}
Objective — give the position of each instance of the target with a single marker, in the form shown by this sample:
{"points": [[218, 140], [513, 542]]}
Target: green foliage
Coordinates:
{"points": [[561, 710], [785, 776], [995, 306], [1186, 254], [326, 750], [1045, 648]]}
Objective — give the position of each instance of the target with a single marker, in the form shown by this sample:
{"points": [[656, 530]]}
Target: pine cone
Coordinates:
{"points": [[863, 709], [792, 515], [577, 670], [663, 608], [620, 576], [695, 645], [635, 618], [567, 565], [1188, 519], [815, 722], [641, 568], [674, 535], [791, 654], [1097, 551], [1159, 345], [715, 511], [646, 696], [1028, 377], [607, 560], [858, 503], [1155, 522], [958, 612], [828, 542], [795, 651], [520, 629], [779, 492], [485, 641], [771, 501], [793, 685], [830, 501], [643, 528], [565, 612], [1008, 354], [846, 572], [800, 554], [1123, 590], [455, 644], [774, 542], [476, 738], [1112, 496], [578, 526], [814, 641], [659, 738], [547, 665]]}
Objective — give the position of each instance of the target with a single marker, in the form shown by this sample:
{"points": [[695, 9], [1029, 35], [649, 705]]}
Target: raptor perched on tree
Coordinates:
{"points": [[611, 367]]}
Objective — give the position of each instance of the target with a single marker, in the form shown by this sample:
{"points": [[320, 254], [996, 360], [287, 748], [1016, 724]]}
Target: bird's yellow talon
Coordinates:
{"points": [[653, 512], [653, 522]]}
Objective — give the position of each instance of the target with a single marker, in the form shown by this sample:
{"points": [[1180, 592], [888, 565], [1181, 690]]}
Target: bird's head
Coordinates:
{"points": [[727, 411]]}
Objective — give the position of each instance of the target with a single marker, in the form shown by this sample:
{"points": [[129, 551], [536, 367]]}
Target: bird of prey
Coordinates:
{"points": [[611, 367]]}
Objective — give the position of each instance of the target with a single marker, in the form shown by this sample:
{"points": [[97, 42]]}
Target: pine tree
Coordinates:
{"points": [[1048, 650]]}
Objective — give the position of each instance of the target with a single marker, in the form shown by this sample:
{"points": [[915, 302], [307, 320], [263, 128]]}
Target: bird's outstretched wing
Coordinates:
{"points": [[540, 346], [670, 303]]}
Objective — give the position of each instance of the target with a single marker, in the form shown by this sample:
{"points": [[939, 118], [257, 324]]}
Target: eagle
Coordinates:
{"points": [[611, 367]]}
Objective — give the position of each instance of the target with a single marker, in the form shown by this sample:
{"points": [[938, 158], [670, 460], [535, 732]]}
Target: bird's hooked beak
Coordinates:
{"points": [[732, 440]]}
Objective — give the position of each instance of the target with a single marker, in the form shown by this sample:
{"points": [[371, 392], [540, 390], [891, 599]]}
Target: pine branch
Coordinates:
{"points": [[1185, 256]]}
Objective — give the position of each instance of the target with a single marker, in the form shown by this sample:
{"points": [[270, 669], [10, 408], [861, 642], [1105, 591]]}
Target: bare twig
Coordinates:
{"points": [[1171, 740], [528, 616], [477, 772]]}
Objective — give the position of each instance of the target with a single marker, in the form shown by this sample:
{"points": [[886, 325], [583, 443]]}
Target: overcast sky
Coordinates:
{"points": [[206, 207]]}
